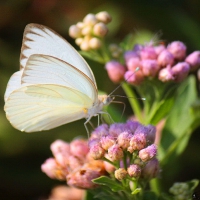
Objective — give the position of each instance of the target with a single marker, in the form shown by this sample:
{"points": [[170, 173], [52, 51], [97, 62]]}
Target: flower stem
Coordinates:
{"points": [[132, 100]]}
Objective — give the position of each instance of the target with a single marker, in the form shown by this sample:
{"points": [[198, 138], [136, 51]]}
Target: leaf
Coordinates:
{"points": [[179, 124], [113, 185], [136, 191]]}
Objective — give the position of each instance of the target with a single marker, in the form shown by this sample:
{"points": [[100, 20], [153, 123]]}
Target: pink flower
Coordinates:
{"points": [[107, 141], [133, 63], [115, 71], [177, 49], [123, 139], [82, 177], [193, 60], [150, 67], [52, 169], [148, 153], [180, 71], [166, 74], [134, 78], [137, 142], [79, 148], [165, 58], [134, 170], [148, 52], [96, 151], [115, 152]]}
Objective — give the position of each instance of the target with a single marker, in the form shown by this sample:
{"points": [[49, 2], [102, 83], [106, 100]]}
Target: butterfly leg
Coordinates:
{"points": [[111, 119]]}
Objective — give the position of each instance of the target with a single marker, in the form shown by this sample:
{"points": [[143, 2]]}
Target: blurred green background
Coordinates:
{"points": [[21, 154]]}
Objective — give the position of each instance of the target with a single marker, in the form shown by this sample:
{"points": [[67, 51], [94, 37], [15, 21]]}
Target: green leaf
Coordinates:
{"points": [[137, 190], [179, 124], [113, 185]]}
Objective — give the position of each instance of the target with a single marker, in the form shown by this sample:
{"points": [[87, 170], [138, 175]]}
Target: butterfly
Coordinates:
{"points": [[54, 85]]}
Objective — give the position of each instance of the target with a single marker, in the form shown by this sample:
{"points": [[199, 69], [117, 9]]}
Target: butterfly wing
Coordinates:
{"points": [[43, 69], [13, 84], [45, 106], [52, 93], [39, 39]]}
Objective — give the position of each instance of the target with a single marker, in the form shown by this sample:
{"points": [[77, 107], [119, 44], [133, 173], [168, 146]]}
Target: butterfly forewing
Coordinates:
{"points": [[39, 39]]}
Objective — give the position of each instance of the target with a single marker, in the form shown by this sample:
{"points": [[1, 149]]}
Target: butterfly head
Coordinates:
{"points": [[106, 99]]}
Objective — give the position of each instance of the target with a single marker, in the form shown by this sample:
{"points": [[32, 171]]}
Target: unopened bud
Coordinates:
{"points": [[74, 31], [120, 174], [165, 58], [95, 43], [166, 74], [134, 171], [100, 29], [193, 60], [90, 19], [104, 17], [177, 49]]}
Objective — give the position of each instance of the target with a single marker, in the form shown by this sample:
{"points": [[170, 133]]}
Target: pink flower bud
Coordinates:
{"points": [[120, 174], [104, 17], [61, 151], [134, 78], [150, 67], [79, 148], [130, 54], [180, 71], [148, 52], [59, 146], [123, 139], [166, 74], [158, 49], [134, 171], [151, 169], [148, 153], [137, 142], [107, 142], [100, 29], [82, 177], [165, 58], [193, 60], [96, 151], [115, 152], [132, 125], [74, 162], [177, 49], [53, 170], [115, 71], [133, 63]]}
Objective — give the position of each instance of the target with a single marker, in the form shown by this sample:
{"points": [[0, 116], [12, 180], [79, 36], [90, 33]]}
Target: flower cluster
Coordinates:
{"points": [[167, 63], [181, 191], [127, 149], [90, 31], [72, 163], [124, 150]]}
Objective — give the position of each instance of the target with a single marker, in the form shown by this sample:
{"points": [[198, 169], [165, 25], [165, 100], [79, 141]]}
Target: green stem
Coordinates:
{"points": [[132, 100], [155, 186]]}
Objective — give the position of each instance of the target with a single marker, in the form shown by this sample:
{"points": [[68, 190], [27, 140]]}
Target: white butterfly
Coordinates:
{"points": [[54, 86]]}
